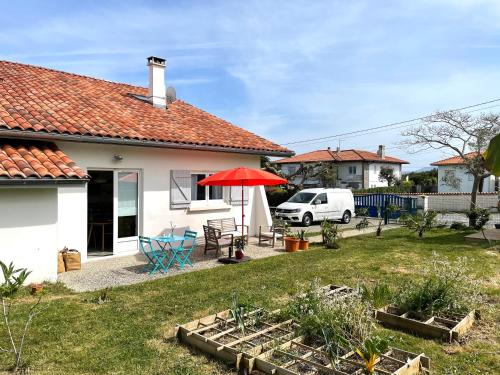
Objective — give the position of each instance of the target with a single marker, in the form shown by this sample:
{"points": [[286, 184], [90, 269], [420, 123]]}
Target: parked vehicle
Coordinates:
{"points": [[311, 205]]}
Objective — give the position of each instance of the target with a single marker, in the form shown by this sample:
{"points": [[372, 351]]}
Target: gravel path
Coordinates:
{"points": [[127, 270]]}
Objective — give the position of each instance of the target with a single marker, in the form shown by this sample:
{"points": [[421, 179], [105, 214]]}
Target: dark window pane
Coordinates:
{"points": [[215, 192], [197, 191]]}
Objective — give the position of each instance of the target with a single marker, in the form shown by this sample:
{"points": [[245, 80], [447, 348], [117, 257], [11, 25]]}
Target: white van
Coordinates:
{"points": [[317, 204]]}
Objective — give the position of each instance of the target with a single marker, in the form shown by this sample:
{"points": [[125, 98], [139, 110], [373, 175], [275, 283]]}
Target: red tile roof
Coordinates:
{"points": [[36, 160], [340, 156], [455, 160], [37, 99]]}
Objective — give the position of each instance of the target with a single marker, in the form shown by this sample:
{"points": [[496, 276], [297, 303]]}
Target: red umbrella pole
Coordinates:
{"points": [[242, 213]]}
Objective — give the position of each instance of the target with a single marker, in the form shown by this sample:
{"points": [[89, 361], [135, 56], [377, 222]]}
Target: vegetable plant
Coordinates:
{"points": [[371, 350], [238, 311]]}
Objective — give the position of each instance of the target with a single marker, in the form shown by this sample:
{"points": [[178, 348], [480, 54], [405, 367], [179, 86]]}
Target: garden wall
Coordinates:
{"points": [[454, 202]]}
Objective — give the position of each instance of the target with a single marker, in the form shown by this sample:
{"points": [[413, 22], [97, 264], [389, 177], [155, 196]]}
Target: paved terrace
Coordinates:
{"points": [[126, 270]]}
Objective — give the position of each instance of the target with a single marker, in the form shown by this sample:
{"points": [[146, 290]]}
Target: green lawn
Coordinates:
{"points": [[125, 336]]}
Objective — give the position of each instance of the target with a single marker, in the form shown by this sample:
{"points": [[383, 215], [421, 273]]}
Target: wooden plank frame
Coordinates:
{"points": [[393, 317], [284, 340]]}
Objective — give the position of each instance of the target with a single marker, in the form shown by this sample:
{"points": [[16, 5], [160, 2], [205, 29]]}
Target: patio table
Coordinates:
{"points": [[165, 244]]}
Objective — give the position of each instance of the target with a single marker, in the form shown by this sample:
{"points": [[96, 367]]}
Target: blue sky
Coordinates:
{"points": [[287, 70]]}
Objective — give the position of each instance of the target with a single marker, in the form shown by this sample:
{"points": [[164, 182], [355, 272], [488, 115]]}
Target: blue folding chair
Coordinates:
{"points": [[182, 252], [155, 257]]}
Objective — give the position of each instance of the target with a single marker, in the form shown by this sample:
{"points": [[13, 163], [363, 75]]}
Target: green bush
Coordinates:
{"points": [[458, 226], [479, 217], [446, 287], [277, 196]]}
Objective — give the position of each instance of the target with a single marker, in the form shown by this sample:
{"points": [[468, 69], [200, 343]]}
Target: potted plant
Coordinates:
{"points": [[330, 234], [36, 288], [303, 241], [239, 245], [292, 241]]}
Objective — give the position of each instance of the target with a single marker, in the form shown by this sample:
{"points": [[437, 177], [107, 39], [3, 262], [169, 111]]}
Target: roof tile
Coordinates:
{"points": [[40, 99], [40, 160], [340, 156], [454, 160]]}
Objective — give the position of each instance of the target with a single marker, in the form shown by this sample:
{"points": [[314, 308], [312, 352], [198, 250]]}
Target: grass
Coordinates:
{"points": [[125, 334]]}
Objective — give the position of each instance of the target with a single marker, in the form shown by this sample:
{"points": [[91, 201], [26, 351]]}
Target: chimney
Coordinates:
{"points": [[157, 91], [381, 151]]}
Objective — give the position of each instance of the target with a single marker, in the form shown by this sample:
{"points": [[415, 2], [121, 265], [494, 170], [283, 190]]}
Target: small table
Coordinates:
{"points": [[168, 241]]}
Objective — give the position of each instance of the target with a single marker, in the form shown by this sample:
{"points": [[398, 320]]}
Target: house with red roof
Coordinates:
{"points": [[356, 169], [90, 164], [454, 178]]}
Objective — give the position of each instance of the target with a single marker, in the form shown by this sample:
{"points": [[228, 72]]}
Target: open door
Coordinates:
{"points": [[100, 208]]}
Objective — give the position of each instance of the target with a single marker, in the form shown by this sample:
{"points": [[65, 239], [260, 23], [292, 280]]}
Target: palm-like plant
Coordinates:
{"points": [[421, 222]]}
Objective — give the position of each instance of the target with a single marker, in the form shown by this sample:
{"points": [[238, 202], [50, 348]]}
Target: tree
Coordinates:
{"points": [[387, 174], [465, 135], [324, 171]]}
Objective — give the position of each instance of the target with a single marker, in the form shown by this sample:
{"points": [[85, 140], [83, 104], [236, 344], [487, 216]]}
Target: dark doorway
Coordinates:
{"points": [[100, 213]]}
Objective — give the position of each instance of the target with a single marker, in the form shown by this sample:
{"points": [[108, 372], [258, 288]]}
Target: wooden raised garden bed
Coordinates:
{"points": [[272, 347], [450, 327]]}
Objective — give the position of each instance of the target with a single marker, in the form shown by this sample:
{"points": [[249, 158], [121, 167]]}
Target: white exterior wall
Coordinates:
{"points": [[466, 180], [154, 165], [29, 231], [345, 177], [374, 173]]}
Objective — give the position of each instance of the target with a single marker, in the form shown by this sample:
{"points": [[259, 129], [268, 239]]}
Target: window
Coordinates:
{"points": [[321, 198], [352, 170], [292, 169], [301, 198], [202, 193]]}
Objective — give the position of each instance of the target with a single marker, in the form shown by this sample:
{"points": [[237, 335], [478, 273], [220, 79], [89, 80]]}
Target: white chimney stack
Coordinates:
{"points": [[157, 92], [381, 151]]}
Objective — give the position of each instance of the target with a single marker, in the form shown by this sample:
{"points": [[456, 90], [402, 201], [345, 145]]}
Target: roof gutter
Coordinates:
{"points": [[32, 135], [41, 182]]}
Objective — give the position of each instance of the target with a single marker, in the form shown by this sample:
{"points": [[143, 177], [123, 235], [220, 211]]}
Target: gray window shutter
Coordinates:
{"points": [[235, 198], [180, 189]]}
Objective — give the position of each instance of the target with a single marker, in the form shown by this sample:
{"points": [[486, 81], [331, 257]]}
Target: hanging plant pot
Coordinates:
{"points": [[291, 244], [304, 245]]}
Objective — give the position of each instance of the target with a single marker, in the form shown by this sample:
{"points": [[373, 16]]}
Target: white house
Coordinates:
{"points": [[91, 164], [453, 169], [355, 169]]}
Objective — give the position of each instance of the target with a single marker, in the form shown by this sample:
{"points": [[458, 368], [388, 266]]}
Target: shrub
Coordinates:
{"points": [[330, 234], [13, 280], [479, 216], [420, 222], [458, 226], [379, 295], [446, 287]]}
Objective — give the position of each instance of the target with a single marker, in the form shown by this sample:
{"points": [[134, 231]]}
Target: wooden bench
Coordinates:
{"points": [[228, 226]]}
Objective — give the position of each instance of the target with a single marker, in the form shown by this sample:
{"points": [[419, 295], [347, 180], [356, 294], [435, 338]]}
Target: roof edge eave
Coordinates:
{"points": [[34, 135]]}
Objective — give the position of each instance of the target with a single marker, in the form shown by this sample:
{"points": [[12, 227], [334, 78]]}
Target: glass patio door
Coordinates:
{"points": [[127, 210]]}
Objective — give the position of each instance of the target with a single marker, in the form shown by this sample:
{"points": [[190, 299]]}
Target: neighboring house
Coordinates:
{"points": [[91, 164], [356, 169], [452, 172]]}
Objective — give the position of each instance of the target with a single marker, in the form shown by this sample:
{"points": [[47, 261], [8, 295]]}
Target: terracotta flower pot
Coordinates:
{"points": [[36, 288], [291, 244], [239, 254], [304, 245]]}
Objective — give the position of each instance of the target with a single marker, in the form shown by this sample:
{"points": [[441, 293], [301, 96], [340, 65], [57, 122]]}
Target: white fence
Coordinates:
{"points": [[455, 202]]}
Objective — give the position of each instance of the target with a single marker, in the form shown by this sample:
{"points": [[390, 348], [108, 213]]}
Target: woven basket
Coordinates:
{"points": [[60, 262], [72, 260]]}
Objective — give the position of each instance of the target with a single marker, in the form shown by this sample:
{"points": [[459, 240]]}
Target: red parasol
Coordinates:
{"points": [[242, 176]]}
